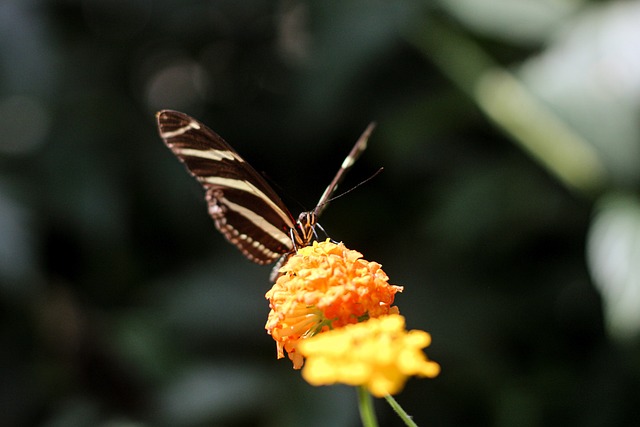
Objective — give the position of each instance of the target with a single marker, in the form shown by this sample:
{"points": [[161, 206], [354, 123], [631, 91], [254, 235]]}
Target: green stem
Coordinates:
{"points": [[365, 404], [401, 412]]}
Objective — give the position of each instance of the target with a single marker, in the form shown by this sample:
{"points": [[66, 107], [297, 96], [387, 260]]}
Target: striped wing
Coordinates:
{"points": [[244, 207]]}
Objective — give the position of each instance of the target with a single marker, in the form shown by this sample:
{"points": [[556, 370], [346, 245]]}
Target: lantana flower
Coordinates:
{"points": [[378, 354], [323, 287]]}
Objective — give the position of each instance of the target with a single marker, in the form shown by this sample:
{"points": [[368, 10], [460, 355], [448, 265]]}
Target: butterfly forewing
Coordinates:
{"points": [[245, 208]]}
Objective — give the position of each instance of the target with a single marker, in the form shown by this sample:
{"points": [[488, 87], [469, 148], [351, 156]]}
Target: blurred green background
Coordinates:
{"points": [[508, 207]]}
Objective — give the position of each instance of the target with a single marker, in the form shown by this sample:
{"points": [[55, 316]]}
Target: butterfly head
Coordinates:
{"points": [[306, 228]]}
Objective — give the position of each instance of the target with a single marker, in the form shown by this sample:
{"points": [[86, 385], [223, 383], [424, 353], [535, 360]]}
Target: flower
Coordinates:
{"points": [[378, 354], [322, 287]]}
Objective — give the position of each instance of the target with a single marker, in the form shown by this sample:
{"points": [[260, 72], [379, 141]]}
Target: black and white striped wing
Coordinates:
{"points": [[246, 210]]}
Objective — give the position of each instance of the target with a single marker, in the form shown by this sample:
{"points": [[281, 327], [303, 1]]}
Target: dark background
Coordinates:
{"points": [[507, 208]]}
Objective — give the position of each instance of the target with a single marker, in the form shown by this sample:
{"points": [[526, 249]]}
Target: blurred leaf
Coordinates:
{"points": [[613, 252], [590, 76], [522, 21], [504, 98]]}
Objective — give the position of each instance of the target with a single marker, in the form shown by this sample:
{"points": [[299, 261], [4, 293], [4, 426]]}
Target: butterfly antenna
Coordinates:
{"points": [[354, 187]]}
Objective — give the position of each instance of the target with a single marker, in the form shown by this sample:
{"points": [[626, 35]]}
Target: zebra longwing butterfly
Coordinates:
{"points": [[246, 210]]}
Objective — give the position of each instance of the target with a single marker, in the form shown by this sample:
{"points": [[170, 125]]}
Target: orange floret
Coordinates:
{"points": [[322, 287]]}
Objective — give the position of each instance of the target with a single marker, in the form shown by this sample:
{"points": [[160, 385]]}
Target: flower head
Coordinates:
{"points": [[378, 354], [322, 287]]}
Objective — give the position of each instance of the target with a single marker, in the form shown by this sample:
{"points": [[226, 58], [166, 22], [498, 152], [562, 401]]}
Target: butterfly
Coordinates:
{"points": [[244, 207]]}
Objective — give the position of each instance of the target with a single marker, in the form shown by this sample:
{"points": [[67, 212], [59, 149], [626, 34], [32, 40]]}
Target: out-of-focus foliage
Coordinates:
{"points": [[613, 254], [509, 134]]}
